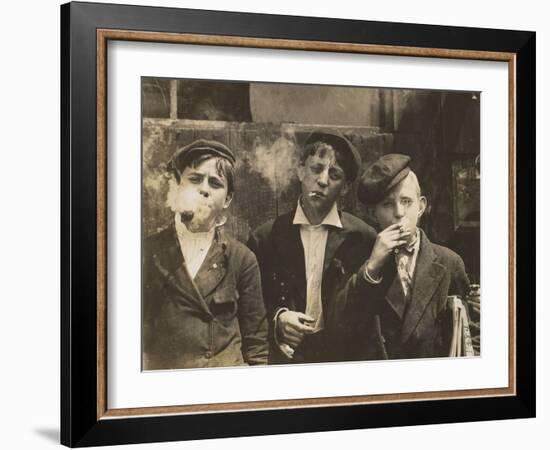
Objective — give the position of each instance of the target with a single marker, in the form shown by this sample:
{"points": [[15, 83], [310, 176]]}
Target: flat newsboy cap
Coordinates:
{"points": [[382, 176], [352, 160], [184, 154]]}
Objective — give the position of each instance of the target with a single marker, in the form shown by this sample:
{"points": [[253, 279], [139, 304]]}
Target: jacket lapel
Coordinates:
{"points": [[288, 244], [427, 276], [395, 296], [214, 266], [290, 252], [170, 263], [336, 236]]}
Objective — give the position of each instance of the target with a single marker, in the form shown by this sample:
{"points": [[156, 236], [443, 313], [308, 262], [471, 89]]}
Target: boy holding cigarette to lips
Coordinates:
{"points": [[202, 299], [306, 255], [396, 305]]}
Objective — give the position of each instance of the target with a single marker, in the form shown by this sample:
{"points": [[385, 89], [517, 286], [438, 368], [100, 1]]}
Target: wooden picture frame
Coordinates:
{"points": [[86, 418]]}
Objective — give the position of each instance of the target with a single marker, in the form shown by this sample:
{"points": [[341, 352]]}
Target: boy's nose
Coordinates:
{"points": [[399, 211], [322, 180], [204, 189]]}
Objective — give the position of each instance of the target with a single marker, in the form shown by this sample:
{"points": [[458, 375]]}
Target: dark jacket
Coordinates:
{"points": [[217, 319], [278, 247], [377, 322]]}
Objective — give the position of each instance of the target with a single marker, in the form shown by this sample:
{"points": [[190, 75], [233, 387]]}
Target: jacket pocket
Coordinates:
{"points": [[224, 304]]}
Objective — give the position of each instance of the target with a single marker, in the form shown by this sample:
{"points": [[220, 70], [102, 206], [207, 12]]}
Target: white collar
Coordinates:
{"points": [[410, 252], [415, 244], [332, 218]]}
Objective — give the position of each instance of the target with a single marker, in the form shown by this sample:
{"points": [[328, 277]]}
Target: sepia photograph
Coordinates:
{"points": [[303, 223]]}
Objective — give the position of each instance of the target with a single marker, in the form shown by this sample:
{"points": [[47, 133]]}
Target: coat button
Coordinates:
{"points": [[282, 283], [208, 355], [283, 298]]}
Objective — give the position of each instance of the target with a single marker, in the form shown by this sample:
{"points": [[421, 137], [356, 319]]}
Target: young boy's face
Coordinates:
{"points": [[323, 180], [203, 191], [403, 204]]}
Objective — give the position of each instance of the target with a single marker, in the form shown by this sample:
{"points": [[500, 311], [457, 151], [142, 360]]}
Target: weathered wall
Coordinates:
{"points": [[434, 128]]}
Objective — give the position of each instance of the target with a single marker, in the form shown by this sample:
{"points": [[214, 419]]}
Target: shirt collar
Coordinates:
{"points": [[332, 218], [413, 247]]}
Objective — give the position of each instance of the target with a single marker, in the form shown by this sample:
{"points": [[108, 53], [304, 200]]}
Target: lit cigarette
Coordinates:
{"points": [[186, 216]]}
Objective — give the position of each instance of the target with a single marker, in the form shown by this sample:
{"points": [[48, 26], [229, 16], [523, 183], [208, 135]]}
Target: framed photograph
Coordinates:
{"points": [[278, 224]]}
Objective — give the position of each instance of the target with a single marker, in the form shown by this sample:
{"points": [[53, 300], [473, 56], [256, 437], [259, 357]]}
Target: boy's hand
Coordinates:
{"points": [[386, 242], [292, 326]]}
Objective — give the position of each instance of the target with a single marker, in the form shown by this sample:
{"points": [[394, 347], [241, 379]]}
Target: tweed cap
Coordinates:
{"points": [[381, 176], [352, 160], [183, 155]]}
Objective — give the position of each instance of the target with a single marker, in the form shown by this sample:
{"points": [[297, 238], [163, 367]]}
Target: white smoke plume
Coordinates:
{"points": [[277, 162], [186, 200]]}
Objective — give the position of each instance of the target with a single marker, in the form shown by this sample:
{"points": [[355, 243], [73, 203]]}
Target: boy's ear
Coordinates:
{"points": [[228, 199], [301, 171], [423, 201]]}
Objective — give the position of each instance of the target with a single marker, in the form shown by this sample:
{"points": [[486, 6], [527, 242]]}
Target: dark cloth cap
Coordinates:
{"points": [[381, 176], [352, 159], [181, 156]]}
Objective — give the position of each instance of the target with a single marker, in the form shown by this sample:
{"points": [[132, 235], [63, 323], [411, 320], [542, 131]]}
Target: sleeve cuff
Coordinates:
{"points": [[285, 349], [370, 279], [275, 319]]}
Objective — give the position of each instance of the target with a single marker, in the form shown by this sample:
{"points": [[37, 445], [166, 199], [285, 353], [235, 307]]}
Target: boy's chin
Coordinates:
{"points": [[195, 227], [318, 202], [200, 224]]}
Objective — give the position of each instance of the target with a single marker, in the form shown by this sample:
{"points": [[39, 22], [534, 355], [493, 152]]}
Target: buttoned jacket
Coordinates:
{"points": [[277, 245], [379, 322], [216, 319]]}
